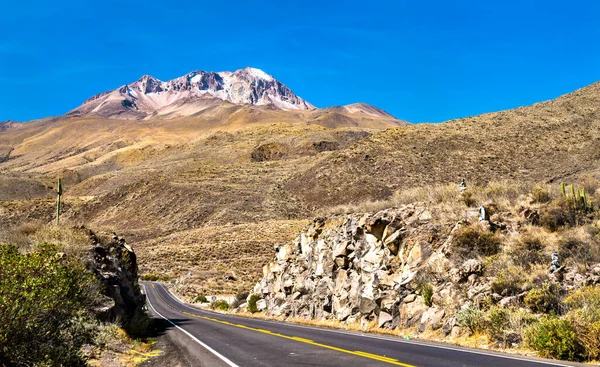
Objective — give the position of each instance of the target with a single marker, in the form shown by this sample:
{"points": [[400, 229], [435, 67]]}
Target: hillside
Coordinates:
{"points": [[176, 187]]}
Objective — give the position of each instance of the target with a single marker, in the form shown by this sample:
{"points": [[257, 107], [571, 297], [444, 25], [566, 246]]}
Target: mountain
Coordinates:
{"points": [[214, 189], [189, 94]]}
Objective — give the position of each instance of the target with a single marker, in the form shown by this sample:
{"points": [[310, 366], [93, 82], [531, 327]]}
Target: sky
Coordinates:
{"points": [[422, 61]]}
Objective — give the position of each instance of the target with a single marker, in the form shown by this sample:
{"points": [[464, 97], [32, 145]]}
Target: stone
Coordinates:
{"points": [[455, 333], [410, 298], [342, 262], [508, 301], [341, 280], [384, 318], [366, 305]]}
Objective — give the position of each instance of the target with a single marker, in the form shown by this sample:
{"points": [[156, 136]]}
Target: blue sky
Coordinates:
{"points": [[419, 60]]}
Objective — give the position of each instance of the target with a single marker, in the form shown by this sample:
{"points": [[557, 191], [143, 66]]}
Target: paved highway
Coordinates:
{"points": [[214, 339]]}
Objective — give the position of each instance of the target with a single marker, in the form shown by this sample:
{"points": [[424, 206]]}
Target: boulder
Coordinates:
{"points": [[384, 318]]}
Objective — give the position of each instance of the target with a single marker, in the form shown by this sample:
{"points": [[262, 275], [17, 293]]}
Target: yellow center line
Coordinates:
{"points": [[294, 338]]}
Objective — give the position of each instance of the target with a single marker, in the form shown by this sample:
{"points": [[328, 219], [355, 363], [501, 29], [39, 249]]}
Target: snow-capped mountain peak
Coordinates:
{"points": [[150, 96]]}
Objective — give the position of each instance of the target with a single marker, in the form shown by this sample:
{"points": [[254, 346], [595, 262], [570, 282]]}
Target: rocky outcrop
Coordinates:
{"points": [[392, 269], [114, 264], [360, 268]]}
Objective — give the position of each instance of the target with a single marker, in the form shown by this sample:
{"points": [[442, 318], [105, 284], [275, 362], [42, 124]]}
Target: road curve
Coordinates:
{"points": [[226, 340]]}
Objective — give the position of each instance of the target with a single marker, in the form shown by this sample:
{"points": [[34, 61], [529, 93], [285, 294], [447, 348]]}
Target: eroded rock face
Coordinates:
{"points": [[114, 264], [357, 269]]}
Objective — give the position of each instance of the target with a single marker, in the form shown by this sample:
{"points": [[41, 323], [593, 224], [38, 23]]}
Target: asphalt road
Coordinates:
{"points": [[214, 339]]}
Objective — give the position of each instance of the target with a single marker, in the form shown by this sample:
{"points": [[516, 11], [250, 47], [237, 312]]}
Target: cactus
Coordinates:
{"points": [[59, 193], [578, 198]]}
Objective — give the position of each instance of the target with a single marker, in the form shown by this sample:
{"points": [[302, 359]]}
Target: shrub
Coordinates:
{"points": [[201, 299], [139, 325], [544, 299], [498, 317], [579, 246], [239, 299], [528, 251], [220, 305], [150, 277], [252, 303], [558, 214], [554, 337], [467, 198], [474, 241], [540, 195], [44, 307], [426, 291], [471, 318], [508, 325], [585, 318], [509, 281]]}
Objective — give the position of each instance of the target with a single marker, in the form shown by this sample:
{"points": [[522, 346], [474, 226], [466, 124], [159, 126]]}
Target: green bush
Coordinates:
{"points": [[220, 305], [509, 281], [471, 318], [544, 299], [45, 298], [252, 303], [474, 241], [426, 291], [150, 277], [201, 299], [554, 337], [584, 315], [507, 325]]}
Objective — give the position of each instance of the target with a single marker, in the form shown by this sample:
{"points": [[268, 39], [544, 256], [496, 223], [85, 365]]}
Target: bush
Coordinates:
{"points": [[540, 195], [44, 307], [252, 303], [150, 277], [528, 251], [544, 299], [585, 318], [471, 318], [474, 241], [559, 214], [553, 337], [426, 291], [580, 247], [220, 305], [239, 299], [508, 325], [201, 299], [509, 281]]}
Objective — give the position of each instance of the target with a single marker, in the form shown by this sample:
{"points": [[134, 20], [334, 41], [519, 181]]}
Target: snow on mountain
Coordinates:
{"points": [[149, 96]]}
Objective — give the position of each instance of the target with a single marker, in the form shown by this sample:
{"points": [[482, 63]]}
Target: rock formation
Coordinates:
{"points": [[114, 264], [393, 269], [358, 268]]}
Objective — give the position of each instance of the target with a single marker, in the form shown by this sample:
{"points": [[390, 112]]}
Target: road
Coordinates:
{"points": [[214, 339]]}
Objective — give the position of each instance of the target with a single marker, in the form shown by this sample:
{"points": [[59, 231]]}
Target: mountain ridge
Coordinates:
{"points": [[145, 97]]}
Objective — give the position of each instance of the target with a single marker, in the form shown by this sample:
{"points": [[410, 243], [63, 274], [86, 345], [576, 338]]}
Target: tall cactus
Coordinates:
{"points": [[578, 198], [59, 194]]}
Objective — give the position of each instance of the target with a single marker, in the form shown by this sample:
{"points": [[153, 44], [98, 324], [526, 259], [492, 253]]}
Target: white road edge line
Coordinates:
{"points": [[413, 342], [220, 356]]}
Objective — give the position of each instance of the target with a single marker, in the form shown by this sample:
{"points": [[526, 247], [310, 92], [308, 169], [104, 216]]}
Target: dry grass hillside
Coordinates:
{"points": [[176, 187], [544, 142], [182, 187]]}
